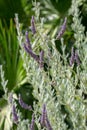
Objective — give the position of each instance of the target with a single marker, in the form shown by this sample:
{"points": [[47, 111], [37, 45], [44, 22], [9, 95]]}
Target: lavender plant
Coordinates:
{"points": [[59, 80], [60, 86]]}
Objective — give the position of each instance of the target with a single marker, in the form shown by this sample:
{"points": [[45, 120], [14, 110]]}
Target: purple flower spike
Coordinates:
{"points": [[77, 58], [31, 53], [41, 59], [33, 29], [62, 30], [43, 116], [72, 58], [28, 49], [27, 40], [44, 119], [32, 123], [14, 114], [48, 125], [24, 105]]}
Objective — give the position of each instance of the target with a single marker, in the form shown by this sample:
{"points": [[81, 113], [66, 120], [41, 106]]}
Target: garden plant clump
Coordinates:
{"points": [[58, 78]]}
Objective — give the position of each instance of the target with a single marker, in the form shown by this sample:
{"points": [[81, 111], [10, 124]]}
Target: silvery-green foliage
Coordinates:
{"points": [[6, 111], [21, 40], [3, 81], [23, 125], [5, 120], [60, 87], [80, 41]]}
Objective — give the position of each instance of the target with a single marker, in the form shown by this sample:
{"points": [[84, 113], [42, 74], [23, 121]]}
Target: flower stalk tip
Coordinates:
{"points": [[62, 30], [44, 119], [77, 58], [14, 114], [24, 105], [33, 29], [74, 57], [28, 40], [43, 116]]}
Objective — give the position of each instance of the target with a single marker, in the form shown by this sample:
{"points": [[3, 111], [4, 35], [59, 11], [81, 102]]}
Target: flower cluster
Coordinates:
{"points": [[28, 49], [14, 113]]}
